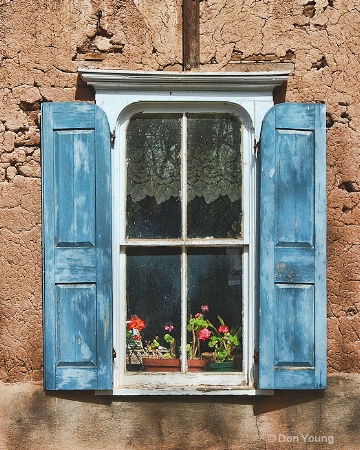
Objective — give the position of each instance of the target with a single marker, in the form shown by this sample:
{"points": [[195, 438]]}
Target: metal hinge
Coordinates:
{"points": [[112, 137], [256, 357], [113, 354], [256, 148]]}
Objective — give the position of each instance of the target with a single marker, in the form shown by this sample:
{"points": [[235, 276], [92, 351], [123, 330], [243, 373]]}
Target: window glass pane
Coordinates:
{"points": [[153, 176], [154, 295], [214, 176], [215, 282]]}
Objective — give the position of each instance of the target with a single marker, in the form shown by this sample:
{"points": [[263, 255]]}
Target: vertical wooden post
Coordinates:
{"points": [[191, 34]]}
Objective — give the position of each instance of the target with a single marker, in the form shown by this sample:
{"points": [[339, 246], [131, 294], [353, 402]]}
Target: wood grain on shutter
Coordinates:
{"points": [[293, 248], [76, 247]]}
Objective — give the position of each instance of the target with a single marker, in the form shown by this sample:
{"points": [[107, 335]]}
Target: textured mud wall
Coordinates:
{"points": [[42, 44], [82, 421]]}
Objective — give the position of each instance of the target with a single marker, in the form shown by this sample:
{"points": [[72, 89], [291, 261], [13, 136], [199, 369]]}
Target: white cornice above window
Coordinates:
{"points": [[198, 81], [116, 90]]}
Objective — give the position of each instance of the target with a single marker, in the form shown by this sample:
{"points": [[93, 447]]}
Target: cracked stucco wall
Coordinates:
{"points": [[82, 421], [42, 44]]}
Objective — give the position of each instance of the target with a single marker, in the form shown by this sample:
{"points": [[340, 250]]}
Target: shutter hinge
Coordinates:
{"points": [[256, 357], [112, 137], [113, 354], [256, 148]]}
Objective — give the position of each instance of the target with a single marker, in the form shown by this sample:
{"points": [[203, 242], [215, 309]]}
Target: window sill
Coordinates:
{"points": [[187, 390]]}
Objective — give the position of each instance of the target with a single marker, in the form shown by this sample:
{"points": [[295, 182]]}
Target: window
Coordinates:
{"points": [[171, 220], [183, 231]]}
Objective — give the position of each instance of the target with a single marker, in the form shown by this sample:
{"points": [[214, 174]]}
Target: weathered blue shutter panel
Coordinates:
{"points": [[77, 273], [292, 351]]}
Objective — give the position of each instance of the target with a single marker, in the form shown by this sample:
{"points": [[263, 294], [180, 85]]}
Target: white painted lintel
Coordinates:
{"points": [[178, 81]]}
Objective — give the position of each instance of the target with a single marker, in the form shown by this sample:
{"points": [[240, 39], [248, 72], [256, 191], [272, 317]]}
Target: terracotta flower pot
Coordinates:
{"points": [[196, 365], [161, 365]]}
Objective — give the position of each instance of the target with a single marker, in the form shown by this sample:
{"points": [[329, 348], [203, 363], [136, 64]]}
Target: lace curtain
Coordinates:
{"points": [[153, 150], [213, 157]]}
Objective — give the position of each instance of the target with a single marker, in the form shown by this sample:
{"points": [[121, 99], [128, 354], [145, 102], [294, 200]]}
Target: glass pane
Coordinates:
{"points": [[215, 289], [153, 177], [154, 296], [214, 176]]}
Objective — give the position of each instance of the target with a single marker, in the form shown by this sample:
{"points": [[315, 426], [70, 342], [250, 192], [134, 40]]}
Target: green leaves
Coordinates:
{"points": [[168, 338], [197, 323], [224, 341]]}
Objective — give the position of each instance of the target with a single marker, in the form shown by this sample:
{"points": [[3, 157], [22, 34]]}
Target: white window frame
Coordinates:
{"points": [[249, 95], [120, 241]]}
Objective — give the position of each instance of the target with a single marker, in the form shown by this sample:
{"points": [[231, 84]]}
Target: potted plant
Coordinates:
{"points": [[154, 357], [225, 342], [134, 345], [198, 326], [159, 358]]}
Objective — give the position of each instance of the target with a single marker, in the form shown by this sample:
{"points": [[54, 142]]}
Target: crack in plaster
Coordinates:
{"points": [[258, 432]]}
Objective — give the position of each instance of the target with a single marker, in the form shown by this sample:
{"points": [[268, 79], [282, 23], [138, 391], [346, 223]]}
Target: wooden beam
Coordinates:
{"points": [[191, 34]]}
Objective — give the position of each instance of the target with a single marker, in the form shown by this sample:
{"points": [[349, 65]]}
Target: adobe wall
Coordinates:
{"points": [[33, 420], [42, 44]]}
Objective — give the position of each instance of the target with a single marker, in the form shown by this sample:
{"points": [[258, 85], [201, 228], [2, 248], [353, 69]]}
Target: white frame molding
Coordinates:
{"points": [[119, 93]]}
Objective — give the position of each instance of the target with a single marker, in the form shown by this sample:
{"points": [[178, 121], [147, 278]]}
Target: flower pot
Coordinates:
{"points": [[196, 365], [161, 365], [224, 366]]}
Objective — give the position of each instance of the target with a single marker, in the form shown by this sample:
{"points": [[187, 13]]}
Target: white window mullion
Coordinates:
{"points": [[208, 242], [184, 270], [119, 257], [184, 177], [252, 280], [121, 317], [246, 293]]}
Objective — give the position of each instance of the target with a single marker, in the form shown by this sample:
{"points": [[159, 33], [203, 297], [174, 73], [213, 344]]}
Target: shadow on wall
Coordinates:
{"points": [[84, 92], [279, 93], [33, 419], [260, 404]]}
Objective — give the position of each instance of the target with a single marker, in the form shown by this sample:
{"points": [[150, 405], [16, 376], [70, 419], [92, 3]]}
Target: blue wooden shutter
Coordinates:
{"points": [[292, 351], [77, 272]]}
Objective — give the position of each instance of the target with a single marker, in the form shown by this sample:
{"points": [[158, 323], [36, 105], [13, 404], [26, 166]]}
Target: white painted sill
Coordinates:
{"points": [[186, 390], [191, 384]]}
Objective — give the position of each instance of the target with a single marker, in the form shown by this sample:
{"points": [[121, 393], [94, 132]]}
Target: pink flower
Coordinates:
{"points": [[204, 334], [169, 328], [223, 329], [198, 315], [205, 308]]}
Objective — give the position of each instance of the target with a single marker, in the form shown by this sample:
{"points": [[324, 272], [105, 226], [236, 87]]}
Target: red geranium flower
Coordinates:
{"points": [[204, 334], [223, 329], [135, 323]]}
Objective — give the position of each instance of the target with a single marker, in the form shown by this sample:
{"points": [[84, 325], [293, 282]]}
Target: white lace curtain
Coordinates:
{"points": [[213, 157]]}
